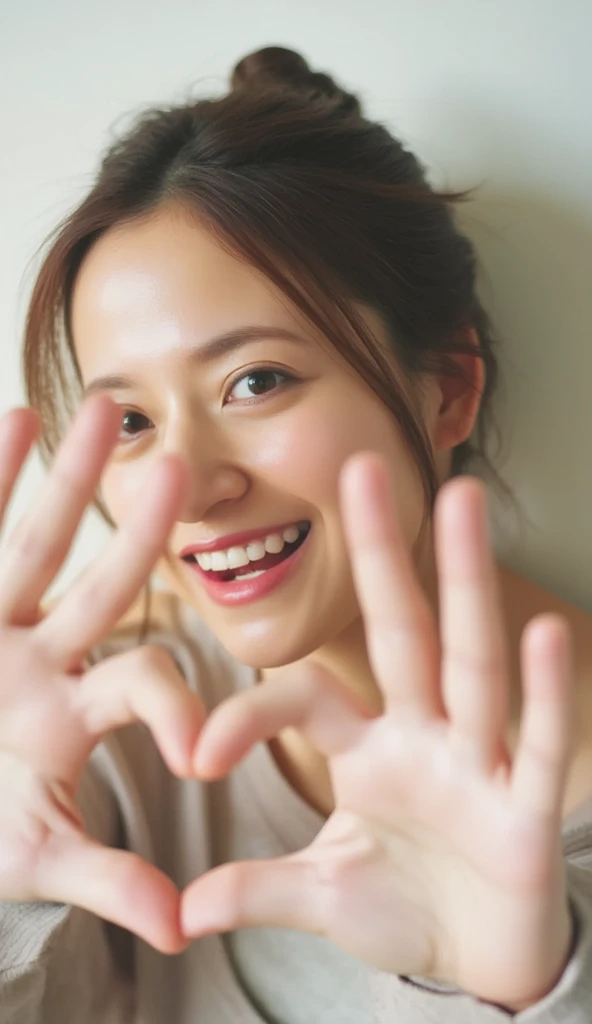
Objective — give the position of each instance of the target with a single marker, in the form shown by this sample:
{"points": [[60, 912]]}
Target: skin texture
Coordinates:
{"points": [[148, 297], [149, 293], [394, 725]]}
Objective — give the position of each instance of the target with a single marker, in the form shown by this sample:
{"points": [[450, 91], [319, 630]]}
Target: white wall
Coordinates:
{"points": [[489, 92]]}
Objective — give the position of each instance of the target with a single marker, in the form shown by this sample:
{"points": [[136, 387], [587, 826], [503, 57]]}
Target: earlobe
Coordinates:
{"points": [[460, 399]]}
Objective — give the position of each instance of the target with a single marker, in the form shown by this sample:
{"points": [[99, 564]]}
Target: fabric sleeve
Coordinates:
{"points": [[570, 1002]]}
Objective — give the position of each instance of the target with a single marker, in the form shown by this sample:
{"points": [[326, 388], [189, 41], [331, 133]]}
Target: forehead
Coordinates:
{"points": [[165, 280]]}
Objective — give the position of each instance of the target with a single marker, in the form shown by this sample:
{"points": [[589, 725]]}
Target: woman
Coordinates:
{"points": [[275, 322]]}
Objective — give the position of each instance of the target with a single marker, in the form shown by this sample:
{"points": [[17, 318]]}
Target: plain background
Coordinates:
{"points": [[489, 93]]}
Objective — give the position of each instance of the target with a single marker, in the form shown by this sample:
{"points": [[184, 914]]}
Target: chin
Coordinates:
{"points": [[261, 647], [281, 637]]}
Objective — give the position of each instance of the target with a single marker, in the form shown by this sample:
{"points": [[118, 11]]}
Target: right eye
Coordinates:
{"points": [[132, 423]]}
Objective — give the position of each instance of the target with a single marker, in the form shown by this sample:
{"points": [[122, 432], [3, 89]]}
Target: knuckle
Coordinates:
{"points": [[251, 711], [97, 593], [329, 873], [67, 479], [237, 887], [545, 757], [125, 873], [24, 548], [476, 662]]}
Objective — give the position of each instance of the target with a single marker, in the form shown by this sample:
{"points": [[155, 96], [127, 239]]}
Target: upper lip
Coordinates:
{"points": [[231, 540]]}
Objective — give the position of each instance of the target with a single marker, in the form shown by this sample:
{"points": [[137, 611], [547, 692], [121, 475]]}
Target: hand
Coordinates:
{"points": [[52, 712], [443, 857]]}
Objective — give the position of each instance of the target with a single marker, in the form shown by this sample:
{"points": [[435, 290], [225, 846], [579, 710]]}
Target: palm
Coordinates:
{"points": [[442, 858], [426, 850]]}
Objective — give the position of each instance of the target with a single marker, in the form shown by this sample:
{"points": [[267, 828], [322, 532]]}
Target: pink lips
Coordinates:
{"points": [[240, 591]]}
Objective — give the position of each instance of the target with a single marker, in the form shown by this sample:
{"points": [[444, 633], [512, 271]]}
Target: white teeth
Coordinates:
{"points": [[274, 543], [219, 561], [256, 550], [238, 556], [251, 575]]}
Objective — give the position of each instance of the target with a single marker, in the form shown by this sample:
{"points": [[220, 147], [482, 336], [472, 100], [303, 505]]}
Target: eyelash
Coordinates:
{"points": [[288, 379]]}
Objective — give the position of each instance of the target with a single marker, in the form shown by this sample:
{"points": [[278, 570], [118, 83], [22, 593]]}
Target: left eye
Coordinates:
{"points": [[256, 383]]}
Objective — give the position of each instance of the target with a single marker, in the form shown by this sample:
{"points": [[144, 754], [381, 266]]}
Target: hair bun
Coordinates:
{"points": [[277, 69]]}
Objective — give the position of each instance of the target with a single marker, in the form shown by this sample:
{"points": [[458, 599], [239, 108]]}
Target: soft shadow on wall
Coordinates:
{"points": [[531, 221], [536, 261]]}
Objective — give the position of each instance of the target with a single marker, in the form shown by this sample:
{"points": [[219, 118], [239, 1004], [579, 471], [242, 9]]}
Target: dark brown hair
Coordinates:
{"points": [[288, 173]]}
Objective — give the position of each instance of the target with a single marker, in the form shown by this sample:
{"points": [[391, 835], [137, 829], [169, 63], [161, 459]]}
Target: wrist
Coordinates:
{"points": [[567, 941]]}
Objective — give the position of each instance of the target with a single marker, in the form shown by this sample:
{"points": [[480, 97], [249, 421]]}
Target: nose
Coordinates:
{"points": [[215, 475]]}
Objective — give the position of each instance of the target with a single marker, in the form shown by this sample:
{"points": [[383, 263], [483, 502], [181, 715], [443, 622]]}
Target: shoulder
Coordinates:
{"points": [[522, 601]]}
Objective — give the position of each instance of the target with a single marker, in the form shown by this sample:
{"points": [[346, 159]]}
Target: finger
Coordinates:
{"points": [[37, 547], [144, 685], [400, 632], [115, 885], [18, 431], [252, 893], [97, 600], [309, 699], [474, 663], [542, 756]]}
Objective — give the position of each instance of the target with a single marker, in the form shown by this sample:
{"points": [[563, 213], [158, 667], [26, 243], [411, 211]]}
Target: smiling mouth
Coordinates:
{"points": [[260, 559]]}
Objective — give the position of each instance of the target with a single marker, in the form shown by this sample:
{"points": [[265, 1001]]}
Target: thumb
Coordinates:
{"points": [[280, 893], [116, 885]]}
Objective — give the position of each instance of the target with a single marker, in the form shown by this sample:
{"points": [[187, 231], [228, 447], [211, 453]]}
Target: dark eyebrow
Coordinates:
{"points": [[201, 354]]}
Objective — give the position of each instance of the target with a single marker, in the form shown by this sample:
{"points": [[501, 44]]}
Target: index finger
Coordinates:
{"points": [[104, 592], [400, 632]]}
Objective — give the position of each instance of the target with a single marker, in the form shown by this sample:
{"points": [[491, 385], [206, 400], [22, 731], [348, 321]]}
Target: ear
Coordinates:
{"points": [[458, 399]]}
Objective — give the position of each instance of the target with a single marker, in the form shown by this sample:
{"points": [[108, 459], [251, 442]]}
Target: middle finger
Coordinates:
{"points": [[474, 671], [105, 591]]}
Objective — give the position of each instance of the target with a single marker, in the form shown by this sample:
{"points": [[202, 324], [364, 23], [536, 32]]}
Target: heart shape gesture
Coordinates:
{"points": [[53, 713], [442, 857]]}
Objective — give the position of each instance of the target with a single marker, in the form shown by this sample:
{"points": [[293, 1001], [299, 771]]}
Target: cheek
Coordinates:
{"points": [[307, 448], [332, 433], [304, 451]]}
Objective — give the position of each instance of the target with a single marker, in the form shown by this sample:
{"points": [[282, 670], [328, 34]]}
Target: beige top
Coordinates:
{"points": [[60, 964]]}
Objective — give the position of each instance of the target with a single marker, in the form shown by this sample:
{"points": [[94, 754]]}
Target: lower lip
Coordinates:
{"points": [[242, 591]]}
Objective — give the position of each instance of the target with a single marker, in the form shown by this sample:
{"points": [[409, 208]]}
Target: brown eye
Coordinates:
{"points": [[133, 422], [258, 382]]}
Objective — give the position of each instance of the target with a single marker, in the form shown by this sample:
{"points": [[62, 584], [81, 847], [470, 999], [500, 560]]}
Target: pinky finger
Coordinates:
{"points": [[115, 885], [541, 761]]}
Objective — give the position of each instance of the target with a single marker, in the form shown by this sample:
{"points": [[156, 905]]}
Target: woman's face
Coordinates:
{"points": [[209, 360]]}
